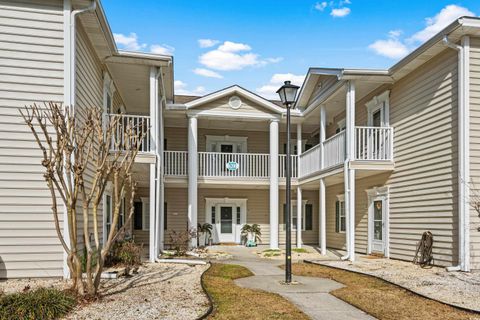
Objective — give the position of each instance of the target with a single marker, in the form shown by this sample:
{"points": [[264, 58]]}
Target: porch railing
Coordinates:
{"points": [[140, 126], [334, 148], [175, 163], [219, 164], [282, 166], [373, 143]]}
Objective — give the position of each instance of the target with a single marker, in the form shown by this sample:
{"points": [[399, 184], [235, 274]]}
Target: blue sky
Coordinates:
{"points": [[259, 43]]}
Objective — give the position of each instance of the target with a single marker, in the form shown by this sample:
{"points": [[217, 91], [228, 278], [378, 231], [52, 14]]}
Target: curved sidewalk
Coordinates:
{"points": [[311, 294]]}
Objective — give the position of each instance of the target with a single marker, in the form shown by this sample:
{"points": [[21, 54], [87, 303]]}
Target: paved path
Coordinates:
{"points": [[311, 295]]}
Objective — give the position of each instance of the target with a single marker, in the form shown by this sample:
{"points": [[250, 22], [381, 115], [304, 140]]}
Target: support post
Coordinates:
{"points": [[192, 175], [323, 220], [274, 184], [322, 134], [152, 232], [349, 177], [299, 189]]}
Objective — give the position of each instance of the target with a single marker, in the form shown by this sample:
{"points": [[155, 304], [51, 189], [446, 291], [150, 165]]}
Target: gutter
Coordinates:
{"points": [[463, 152]]}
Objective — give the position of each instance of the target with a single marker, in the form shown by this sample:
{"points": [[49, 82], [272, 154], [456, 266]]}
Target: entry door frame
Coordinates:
{"points": [[226, 202], [375, 194]]}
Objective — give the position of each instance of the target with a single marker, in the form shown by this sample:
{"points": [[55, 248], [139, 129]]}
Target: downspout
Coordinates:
{"points": [[158, 176], [463, 152], [73, 47], [69, 43]]}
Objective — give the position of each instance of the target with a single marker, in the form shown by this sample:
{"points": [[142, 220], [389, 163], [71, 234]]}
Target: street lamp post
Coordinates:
{"points": [[287, 94]]}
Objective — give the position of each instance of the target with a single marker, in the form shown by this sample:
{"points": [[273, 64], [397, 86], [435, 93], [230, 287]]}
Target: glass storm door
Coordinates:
{"points": [[378, 226], [226, 224]]}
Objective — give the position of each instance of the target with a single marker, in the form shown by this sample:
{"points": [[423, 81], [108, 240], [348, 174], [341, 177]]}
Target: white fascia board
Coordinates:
{"points": [[230, 115], [176, 106], [234, 89]]}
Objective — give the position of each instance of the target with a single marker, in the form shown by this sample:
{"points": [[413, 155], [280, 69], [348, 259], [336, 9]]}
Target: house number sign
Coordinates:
{"points": [[232, 166]]}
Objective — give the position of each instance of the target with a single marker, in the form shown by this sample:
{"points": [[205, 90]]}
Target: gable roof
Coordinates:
{"points": [[235, 89]]}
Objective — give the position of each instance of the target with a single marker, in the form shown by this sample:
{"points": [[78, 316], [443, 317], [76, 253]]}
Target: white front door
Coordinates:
{"points": [[377, 225], [227, 224]]}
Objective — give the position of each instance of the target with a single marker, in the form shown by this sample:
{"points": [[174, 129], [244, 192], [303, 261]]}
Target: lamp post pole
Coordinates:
{"points": [[287, 94], [288, 245]]}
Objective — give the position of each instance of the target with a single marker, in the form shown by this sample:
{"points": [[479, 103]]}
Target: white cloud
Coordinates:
{"points": [[162, 49], [129, 42], [181, 88], [207, 73], [390, 48], [395, 47], [233, 56], [442, 19], [340, 12], [207, 43], [320, 6], [269, 90]]}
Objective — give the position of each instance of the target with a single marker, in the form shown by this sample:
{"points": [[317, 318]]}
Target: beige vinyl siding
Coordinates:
{"points": [[336, 240], [176, 199], [475, 149], [31, 71], [423, 112], [308, 236]]}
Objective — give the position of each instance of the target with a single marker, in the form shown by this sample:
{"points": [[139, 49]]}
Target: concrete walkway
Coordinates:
{"points": [[311, 295]]}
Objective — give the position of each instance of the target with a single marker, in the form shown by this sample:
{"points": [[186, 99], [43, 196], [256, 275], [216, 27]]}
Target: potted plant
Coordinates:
{"points": [[251, 235], [204, 233]]}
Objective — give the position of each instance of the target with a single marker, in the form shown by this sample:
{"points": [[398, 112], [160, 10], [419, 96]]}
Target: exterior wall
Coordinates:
{"points": [[31, 71], [423, 112], [337, 240], [257, 210], [475, 149]]}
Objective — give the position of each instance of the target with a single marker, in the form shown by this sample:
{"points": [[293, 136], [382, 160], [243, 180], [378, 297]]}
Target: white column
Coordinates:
{"points": [[274, 132], [299, 189], [323, 221], [192, 175], [322, 231], [151, 247], [349, 176]]}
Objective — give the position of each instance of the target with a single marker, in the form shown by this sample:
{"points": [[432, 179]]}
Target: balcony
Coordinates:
{"points": [[371, 144], [227, 165], [140, 125]]}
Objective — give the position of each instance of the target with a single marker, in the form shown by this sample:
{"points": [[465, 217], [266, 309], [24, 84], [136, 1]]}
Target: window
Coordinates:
{"points": [[378, 112], [340, 220], [137, 215], [229, 144], [146, 213], [341, 125], [108, 90], [213, 215], [108, 215], [121, 214], [307, 216], [165, 216], [238, 215]]}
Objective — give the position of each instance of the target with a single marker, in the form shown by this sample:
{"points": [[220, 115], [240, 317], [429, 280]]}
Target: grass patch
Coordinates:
{"points": [[380, 298], [43, 303], [300, 250], [233, 302], [272, 251]]}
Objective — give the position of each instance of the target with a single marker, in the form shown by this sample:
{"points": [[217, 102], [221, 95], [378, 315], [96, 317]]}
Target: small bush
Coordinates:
{"points": [[126, 253], [42, 304], [180, 240]]}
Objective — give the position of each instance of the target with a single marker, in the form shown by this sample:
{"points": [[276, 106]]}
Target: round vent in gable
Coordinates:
{"points": [[235, 102]]}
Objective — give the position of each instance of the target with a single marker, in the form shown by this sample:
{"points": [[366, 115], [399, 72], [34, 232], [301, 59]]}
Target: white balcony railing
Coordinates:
{"points": [[244, 165], [310, 161], [373, 143], [175, 163], [141, 126], [217, 164], [334, 148], [282, 166]]}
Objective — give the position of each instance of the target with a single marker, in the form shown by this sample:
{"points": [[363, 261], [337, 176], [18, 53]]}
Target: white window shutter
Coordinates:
{"points": [[146, 214]]}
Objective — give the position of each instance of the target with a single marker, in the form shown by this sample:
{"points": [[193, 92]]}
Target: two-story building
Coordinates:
{"points": [[380, 156]]}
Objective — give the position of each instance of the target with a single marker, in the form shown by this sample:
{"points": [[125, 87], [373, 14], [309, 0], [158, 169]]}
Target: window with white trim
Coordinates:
{"points": [[108, 91], [341, 125], [340, 218], [228, 144], [378, 110]]}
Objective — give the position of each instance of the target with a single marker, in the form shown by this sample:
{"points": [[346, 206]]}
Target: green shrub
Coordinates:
{"points": [[126, 253], [42, 304]]}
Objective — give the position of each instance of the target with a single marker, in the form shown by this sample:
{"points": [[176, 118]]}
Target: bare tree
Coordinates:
{"points": [[82, 152]]}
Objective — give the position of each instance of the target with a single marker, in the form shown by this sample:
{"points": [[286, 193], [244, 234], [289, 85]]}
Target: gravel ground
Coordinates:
{"points": [[158, 291], [457, 288]]}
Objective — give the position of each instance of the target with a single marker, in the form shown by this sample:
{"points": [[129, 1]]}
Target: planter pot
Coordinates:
{"points": [[201, 239]]}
